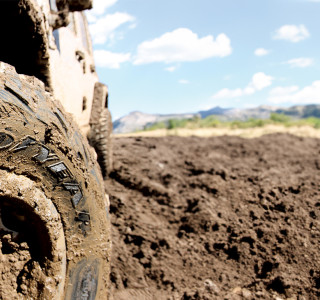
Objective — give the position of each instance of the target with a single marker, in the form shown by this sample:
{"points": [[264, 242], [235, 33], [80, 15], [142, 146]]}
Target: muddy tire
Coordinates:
{"points": [[100, 140], [101, 129], [54, 223]]}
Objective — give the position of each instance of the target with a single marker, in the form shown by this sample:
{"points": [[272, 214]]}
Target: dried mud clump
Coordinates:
{"points": [[216, 218], [21, 276]]}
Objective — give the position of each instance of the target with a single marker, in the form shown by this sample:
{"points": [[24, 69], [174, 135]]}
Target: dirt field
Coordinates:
{"points": [[216, 218]]}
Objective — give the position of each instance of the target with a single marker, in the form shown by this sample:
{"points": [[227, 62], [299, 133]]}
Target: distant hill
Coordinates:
{"points": [[261, 112], [138, 121], [217, 111], [301, 111]]}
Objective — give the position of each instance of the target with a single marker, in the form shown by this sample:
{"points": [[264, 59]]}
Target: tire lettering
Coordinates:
{"points": [[60, 170], [75, 190], [43, 154], [28, 141]]}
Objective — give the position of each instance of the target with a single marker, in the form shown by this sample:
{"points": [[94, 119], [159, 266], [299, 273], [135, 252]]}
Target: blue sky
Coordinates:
{"points": [[175, 56]]}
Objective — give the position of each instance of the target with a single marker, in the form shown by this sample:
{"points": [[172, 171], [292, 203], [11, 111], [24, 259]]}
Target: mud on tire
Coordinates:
{"points": [[54, 226]]}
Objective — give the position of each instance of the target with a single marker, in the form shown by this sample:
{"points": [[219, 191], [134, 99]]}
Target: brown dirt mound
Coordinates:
{"points": [[216, 218]]}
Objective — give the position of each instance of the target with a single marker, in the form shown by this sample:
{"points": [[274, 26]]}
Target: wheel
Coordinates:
{"points": [[101, 129], [100, 140], [54, 222]]}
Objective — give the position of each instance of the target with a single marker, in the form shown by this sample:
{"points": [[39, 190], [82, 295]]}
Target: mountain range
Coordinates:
{"points": [[138, 121]]}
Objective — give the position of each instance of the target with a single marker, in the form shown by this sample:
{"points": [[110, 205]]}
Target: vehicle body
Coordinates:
{"points": [[57, 50], [54, 223]]}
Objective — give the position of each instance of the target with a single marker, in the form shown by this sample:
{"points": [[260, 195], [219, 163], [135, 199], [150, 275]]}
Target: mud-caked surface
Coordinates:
{"points": [[54, 231], [13, 257], [216, 218], [21, 277]]}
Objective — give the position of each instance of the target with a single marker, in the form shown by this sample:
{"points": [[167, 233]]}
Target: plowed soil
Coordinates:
{"points": [[216, 218]]}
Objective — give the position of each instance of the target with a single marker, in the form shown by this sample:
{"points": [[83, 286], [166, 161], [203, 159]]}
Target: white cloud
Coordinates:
{"points": [[280, 91], [258, 82], [182, 45], [103, 29], [292, 33], [301, 62], [184, 81], [293, 94], [261, 52], [111, 60], [171, 69]]}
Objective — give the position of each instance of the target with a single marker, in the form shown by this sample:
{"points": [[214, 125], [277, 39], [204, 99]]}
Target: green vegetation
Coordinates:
{"points": [[214, 122], [279, 118]]}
